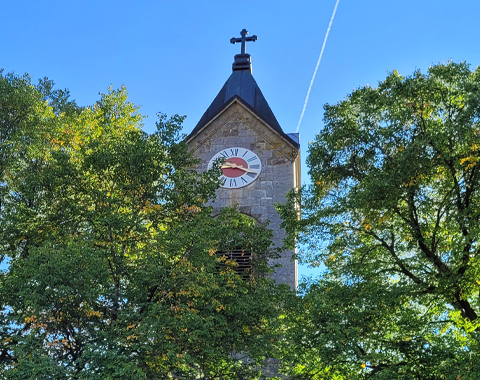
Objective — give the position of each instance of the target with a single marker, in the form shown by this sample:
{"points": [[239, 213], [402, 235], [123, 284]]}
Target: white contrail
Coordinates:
{"points": [[316, 67]]}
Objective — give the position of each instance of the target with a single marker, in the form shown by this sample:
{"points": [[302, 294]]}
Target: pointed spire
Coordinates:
{"points": [[241, 87]]}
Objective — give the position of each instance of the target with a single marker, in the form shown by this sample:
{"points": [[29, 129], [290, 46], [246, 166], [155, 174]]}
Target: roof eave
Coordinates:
{"points": [[196, 131]]}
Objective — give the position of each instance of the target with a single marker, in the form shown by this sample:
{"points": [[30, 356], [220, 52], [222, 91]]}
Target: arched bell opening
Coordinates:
{"points": [[239, 259]]}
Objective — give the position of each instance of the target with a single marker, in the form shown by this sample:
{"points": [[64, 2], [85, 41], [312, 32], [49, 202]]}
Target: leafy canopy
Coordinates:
{"points": [[111, 249], [393, 213]]}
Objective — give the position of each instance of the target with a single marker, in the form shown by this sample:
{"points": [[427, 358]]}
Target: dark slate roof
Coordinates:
{"points": [[243, 87]]}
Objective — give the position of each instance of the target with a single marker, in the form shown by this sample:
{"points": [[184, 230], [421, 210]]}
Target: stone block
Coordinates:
{"points": [[267, 201]]}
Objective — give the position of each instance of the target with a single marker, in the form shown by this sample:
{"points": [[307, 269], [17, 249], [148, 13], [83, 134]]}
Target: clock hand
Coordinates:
{"points": [[245, 169], [231, 165]]}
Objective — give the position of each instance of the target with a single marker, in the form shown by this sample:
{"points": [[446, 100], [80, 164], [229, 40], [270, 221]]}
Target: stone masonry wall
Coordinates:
{"points": [[237, 126]]}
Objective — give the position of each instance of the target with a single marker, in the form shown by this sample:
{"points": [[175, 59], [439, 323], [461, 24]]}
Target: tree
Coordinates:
{"points": [[393, 213], [113, 270]]}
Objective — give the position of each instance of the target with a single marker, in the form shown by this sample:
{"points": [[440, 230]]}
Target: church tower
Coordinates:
{"points": [[262, 163]]}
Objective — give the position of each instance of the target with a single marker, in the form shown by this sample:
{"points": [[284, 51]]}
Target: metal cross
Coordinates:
{"points": [[243, 40]]}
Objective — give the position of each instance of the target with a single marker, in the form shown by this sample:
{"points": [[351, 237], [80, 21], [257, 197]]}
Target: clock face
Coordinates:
{"points": [[240, 168]]}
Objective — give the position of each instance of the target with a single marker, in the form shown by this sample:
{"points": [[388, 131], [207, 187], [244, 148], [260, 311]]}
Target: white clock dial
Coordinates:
{"points": [[240, 168]]}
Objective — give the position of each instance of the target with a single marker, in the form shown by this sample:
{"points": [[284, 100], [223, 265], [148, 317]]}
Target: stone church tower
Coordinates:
{"points": [[262, 163]]}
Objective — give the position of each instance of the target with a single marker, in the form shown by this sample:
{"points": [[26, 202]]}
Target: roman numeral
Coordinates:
{"points": [[254, 167], [253, 175], [243, 180], [233, 182], [224, 154], [252, 159], [223, 179], [234, 152], [245, 153]]}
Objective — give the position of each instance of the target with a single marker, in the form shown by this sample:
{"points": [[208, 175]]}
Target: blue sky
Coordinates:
{"points": [[174, 56]]}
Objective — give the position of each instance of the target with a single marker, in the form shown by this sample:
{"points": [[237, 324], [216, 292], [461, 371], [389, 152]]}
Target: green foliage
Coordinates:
{"points": [[111, 249], [393, 213]]}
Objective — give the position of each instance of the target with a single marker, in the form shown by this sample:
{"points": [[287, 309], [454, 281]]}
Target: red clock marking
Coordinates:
{"points": [[235, 172]]}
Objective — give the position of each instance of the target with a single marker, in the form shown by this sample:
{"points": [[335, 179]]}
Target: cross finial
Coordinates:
{"points": [[243, 40]]}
